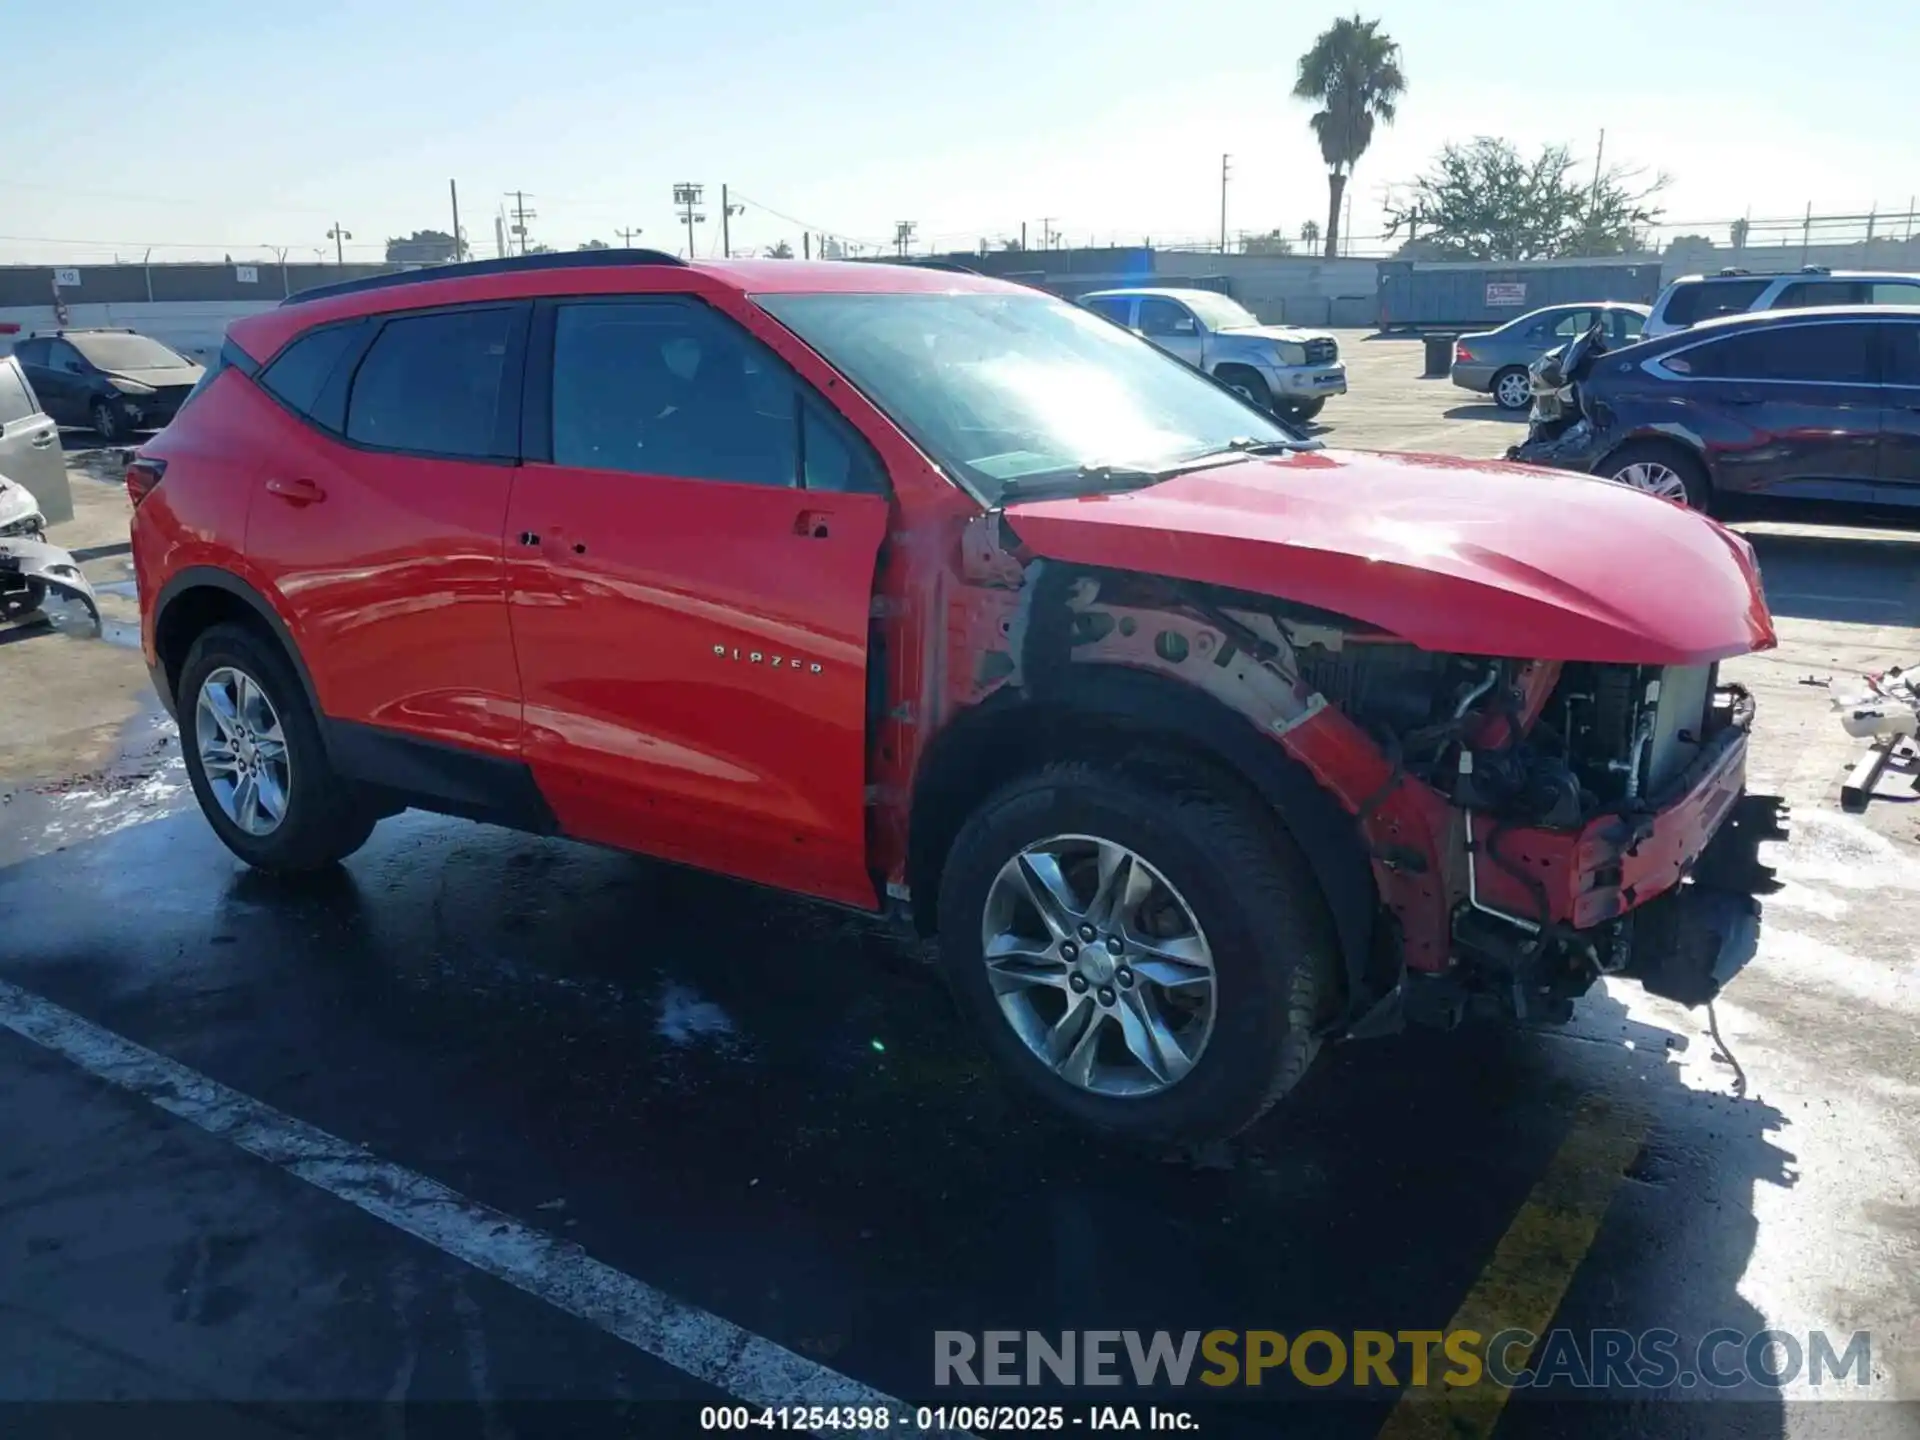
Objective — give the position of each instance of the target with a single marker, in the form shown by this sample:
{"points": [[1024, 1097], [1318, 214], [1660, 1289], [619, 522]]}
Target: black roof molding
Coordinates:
{"points": [[511, 265]]}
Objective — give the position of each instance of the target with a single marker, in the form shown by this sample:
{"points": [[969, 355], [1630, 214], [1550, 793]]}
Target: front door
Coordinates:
{"points": [[1900, 412], [692, 545], [1171, 326], [56, 371]]}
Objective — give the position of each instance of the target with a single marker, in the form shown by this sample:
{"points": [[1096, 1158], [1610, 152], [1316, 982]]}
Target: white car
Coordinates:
{"points": [[1693, 298]]}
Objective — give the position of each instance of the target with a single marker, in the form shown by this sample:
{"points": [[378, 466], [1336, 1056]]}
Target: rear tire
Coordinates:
{"points": [[1663, 470], [1246, 896], [1511, 389], [320, 818]]}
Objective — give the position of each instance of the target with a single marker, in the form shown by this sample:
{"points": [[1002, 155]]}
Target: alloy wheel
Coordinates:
{"points": [[243, 751], [1099, 966], [1514, 392], [1654, 478]]}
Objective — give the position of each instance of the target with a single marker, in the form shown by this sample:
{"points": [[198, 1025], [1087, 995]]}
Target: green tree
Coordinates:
{"points": [[594, 245], [1485, 201], [1353, 73], [1738, 234], [423, 247], [1271, 243], [782, 251]]}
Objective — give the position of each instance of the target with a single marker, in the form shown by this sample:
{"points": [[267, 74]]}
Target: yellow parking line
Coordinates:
{"points": [[1527, 1277]]}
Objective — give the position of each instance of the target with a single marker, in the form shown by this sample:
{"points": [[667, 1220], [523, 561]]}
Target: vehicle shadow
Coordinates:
{"points": [[1485, 411], [1837, 576], [768, 1108]]}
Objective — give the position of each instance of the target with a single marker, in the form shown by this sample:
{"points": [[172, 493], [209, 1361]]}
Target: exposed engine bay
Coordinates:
{"points": [[1531, 825]]}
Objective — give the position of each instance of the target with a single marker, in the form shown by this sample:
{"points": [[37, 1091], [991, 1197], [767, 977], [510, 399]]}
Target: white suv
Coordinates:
{"points": [[1693, 298]]}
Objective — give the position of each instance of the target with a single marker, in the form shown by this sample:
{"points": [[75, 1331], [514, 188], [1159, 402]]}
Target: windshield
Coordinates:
{"points": [[128, 352], [1217, 312], [1006, 389]]}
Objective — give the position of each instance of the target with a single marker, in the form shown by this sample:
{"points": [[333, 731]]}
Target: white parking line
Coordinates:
{"points": [[747, 1366]]}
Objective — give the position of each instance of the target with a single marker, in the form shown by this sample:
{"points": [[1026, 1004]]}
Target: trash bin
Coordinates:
{"points": [[1439, 354]]}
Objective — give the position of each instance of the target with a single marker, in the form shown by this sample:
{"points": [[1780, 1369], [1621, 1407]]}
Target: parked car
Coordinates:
{"points": [[936, 596], [114, 381], [1494, 362], [1277, 367], [1813, 404], [30, 444], [1693, 298]]}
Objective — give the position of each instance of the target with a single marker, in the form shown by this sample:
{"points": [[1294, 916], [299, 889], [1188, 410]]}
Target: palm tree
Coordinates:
{"points": [[1353, 71], [1310, 234]]}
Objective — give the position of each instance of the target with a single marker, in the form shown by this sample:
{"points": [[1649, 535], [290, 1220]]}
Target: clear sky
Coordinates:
{"points": [[206, 127]]}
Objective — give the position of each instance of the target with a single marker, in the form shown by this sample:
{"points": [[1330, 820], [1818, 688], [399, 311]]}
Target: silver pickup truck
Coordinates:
{"points": [[1275, 366]]}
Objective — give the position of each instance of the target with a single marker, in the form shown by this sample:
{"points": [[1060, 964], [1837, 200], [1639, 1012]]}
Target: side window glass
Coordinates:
{"points": [[1896, 292], [32, 352], [15, 402], [63, 356], [1903, 354], [431, 383], [1573, 323], [1833, 353], [301, 372], [670, 388], [835, 460], [1803, 293], [1111, 309], [1627, 324], [1164, 317]]}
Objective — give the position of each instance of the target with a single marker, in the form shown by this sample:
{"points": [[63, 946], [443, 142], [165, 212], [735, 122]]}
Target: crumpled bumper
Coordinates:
{"points": [[1578, 447], [35, 560]]}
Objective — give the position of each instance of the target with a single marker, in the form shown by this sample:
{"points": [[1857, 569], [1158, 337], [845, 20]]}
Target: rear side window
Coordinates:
{"points": [[1903, 354], [1112, 308], [301, 372], [1896, 292], [16, 401], [1627, 325], [1836, 353], [1803, 293], [32, 352], [1703, 299], [431, 384]]}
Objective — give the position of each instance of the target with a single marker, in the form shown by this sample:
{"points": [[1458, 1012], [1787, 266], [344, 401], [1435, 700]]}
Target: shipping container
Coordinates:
{"points": [[1478, 295]]}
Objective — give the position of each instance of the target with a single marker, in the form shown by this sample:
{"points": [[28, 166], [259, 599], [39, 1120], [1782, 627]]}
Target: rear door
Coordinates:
{"points": [[390, 446], [48, 364], [1792, 409], [1900, 417], [30, 452], [693, 542]]}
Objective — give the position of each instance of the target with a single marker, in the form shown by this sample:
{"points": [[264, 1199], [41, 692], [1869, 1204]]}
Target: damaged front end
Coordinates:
{"points": [[33, 572]]}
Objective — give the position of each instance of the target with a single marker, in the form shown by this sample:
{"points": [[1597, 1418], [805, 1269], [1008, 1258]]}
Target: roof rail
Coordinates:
{"points": [[1816, 269], [510, 265], [1734, 270]]}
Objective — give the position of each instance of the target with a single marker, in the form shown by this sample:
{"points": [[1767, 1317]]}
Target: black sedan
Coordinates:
{"points": [[1811, 404], [112, 380]]}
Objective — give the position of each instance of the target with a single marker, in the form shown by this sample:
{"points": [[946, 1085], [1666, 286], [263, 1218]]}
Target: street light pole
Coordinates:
{"points": [[339, 237]]}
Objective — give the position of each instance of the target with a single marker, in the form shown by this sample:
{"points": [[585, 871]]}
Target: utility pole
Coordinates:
{"points": [[500, 236], [727, 211], [1223, 202], [459, 249], [1593, 196], [339, 237], [1346, 230], [521, 215], [626, 236], [687, 195], [806, 244], [903, 235], [1023, 235], [1046, 232]]}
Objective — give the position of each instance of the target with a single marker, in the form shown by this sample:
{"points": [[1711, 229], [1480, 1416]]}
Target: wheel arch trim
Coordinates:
{"points": [[212, 577]]}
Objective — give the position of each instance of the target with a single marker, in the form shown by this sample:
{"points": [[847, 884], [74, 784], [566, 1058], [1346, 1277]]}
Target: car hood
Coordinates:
{"points": [[1463, 556], [1287, 333], [173, 377]]}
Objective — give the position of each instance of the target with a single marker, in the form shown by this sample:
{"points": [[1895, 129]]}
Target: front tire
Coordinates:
{"points": [[106, 421], [1141, 948], [1301, 411], [256, 760]]}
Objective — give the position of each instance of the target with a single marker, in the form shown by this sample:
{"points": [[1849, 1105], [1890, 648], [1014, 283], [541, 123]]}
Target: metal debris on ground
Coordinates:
{"points": [[1884, 709]]}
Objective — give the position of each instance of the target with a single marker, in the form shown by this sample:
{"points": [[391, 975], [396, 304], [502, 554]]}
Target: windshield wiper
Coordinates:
{"points": [[1079, 480]]}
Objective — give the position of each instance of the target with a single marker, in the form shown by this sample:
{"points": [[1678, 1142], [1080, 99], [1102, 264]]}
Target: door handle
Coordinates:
{"points": [[296, 492], [45, 442], [814, 524]]}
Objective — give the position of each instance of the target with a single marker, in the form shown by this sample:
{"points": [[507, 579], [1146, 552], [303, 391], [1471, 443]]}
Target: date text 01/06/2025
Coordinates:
{"points": [[943, 1419]]}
